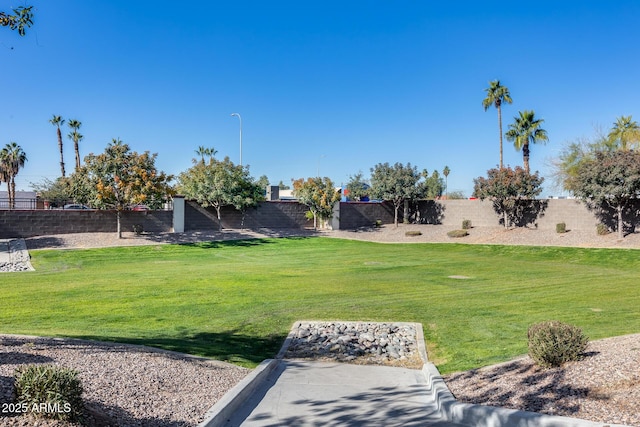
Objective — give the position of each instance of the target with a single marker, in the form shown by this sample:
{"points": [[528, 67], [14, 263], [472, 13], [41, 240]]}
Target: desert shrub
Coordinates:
{"points": [[458, 233], [138, 229], [561, 227], [466, 224], [553, 343], [602, 229], [378, 223], [48, 391], [413, 233]]}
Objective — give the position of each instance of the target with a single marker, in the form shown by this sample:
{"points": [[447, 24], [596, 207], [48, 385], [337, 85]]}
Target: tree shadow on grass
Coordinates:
{"points": [[228, 346]]}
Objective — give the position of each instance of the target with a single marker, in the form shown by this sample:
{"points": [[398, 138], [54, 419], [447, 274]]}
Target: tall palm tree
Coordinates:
{"points": [[496, 95], [446, 171], [203, 151], [625, 133], [4, 175], [12, 159], [526, 130], [76, 137], [58, 121]]}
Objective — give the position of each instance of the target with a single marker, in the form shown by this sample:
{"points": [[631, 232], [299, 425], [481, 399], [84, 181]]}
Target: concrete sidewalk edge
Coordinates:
{"points": [[223, 409], [492, 416]]}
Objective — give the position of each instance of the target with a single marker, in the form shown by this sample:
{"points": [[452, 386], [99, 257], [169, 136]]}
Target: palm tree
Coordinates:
{"points": [[4, 175], [58, 121], [446, 172], [625, 132], [526, 130], [76, 137], [496, 95], [209, 152], [12, 158]]}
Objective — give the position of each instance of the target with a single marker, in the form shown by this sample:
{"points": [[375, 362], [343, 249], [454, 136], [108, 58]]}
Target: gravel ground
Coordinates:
{"points": [[148, 388], [124, 385]]}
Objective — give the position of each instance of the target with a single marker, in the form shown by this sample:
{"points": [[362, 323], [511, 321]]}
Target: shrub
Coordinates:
{"points": [[602, 229], [413, 233], [378, 223], [458, 233], [553, 343], [561, 227], [49, 391], [138, 229], [466, 224]]}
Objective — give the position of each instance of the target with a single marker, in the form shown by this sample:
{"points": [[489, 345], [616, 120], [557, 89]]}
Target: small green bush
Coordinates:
{"points": [[553, 343], [48, 391], [458, 233], [466, 224], [561, 228], [602, 229], [413, 233], [378, 223], [138, 229]]}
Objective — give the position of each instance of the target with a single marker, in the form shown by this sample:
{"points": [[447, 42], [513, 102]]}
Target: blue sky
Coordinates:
{"points": [[333, 87]]}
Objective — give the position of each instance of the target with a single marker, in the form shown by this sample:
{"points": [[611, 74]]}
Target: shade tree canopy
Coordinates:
{"points": [[512, 192], [120, 177], [396, 183], [219, 183], [319, 194]]}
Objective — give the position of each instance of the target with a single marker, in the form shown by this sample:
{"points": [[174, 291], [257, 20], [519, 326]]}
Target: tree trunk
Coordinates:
{"points": [[75, 147], [500, 129], [61, 155], [405, 214], [119, 230], [13, 194], [620, 223], [8, 195], [525, 157], [219, 219]]}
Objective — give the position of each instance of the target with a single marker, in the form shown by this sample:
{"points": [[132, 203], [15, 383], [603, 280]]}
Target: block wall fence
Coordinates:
{"points": [[282, 214]]}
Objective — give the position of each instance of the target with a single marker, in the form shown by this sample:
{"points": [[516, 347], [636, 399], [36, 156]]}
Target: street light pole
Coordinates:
{"points": [[240, 118]]}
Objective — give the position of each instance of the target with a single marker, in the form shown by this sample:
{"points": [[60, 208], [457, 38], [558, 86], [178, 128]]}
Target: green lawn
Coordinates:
{"points": [[236, 301]]}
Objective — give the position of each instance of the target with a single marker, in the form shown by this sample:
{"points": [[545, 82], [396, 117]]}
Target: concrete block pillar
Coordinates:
{"points": [[334, 224], [178, 214]]}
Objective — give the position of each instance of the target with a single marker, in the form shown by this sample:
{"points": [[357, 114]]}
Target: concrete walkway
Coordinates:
{"points": [[289, 392], [303, 393]]}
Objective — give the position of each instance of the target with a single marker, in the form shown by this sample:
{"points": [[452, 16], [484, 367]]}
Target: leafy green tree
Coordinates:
{"points": [[319, 194], [219, 183], [263, 183], [397, 184], [57, 192], [283, 186], [432, 187], [357, 188], [625, 133], [76, 137], [525, 130], [120, 177], [21, 18], [496, 96], [456, 195], [58, 121], [609, 179], [512, 192], [12, 159]]}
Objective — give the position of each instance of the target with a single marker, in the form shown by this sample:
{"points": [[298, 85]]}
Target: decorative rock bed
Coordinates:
{"points": [[393, 344], [18, 257]]}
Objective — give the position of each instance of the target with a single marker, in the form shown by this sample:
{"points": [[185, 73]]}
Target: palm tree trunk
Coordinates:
{"points": [[61, 155], [9, 194], [13, 193], [500, 129], [525, 157], [76, 148]]}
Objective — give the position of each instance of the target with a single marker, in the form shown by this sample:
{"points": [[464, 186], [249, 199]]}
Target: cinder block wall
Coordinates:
{"points": [[289, 214], [29, 223]]}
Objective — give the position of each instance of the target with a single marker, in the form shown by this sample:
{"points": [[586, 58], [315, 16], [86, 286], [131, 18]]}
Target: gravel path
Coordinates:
{"points": [[142, 387]]}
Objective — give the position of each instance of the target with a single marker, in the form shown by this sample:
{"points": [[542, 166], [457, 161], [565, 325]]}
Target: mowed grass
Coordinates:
{"points": [[236, 301]]}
